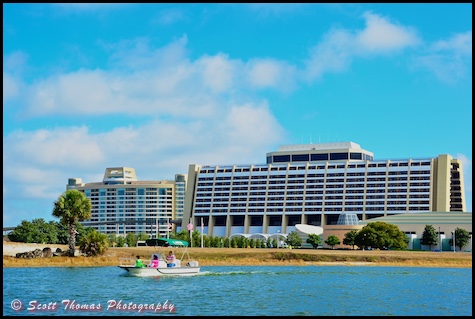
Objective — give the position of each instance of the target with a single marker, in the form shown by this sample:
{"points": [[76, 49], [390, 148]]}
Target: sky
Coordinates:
{"points": [[158, 87]]}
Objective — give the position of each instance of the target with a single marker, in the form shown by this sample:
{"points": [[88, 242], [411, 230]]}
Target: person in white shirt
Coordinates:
{"points": [[171, 259]]}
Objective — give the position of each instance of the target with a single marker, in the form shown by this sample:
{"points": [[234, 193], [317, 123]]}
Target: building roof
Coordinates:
{"points": [[320, 146], [309, 229]]}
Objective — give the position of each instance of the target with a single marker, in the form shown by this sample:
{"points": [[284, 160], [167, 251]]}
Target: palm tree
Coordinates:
{"points": [[72, 206], [93, 243]]}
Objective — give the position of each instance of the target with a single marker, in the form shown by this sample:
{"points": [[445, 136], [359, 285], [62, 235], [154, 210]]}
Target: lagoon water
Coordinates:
{"points": [[243, 290]]}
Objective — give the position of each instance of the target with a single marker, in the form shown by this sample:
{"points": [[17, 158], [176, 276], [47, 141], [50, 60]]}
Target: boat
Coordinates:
{"points": [[181, 267]]}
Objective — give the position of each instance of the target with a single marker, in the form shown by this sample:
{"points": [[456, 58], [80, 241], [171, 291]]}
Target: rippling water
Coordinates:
{"points": [[243, 290]]}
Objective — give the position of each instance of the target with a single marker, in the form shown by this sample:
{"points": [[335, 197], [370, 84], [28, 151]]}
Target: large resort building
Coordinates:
{"points": [[122, 204], [313, 184], [300, 187]]}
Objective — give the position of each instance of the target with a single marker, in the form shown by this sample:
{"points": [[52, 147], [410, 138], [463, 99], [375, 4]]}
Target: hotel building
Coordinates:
{"points": [[313, 184], [122, 204]]}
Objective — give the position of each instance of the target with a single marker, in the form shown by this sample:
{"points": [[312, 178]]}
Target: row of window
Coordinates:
{"points": [[316, 203], [212, 170], [308, 198], [312, 186], [329, 190], [309, 175], [314, 181], [281, 210]]}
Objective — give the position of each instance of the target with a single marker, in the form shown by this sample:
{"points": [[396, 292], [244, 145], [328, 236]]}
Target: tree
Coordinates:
{"points": [[234, 242], [48, 233], [36, 231], [94, 243], [131, 239], [120, 241], [350, 238], [143, 236], [196, 237], [314, 240], [293, 239], [269, 242], [429, 236], [111, 240], [182, 235], [63, 232], [462, 237], [381, 235], [72, 206], [332, 240]]}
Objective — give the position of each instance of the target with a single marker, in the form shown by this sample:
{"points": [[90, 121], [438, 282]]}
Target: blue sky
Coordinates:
{"points": [[157, 87]]}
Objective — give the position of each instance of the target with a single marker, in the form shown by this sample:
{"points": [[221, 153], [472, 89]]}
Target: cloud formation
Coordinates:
{"points": [[339, 46]]}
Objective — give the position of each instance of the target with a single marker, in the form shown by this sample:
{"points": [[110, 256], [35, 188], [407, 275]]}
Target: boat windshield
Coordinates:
{"points": [[160, 256]]}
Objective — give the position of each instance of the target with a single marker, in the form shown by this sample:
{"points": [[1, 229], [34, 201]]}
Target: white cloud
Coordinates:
{"points": [[216, 72], [339, 47], [38, 163], [334, 54], [169, 16], [459, 44], [277, 9], [14, 65], [450, 60], [162, 82], [88, 7], [15, 62], [270, 73], [380, 35], [60, 147], [10, 87], [137, 55]]}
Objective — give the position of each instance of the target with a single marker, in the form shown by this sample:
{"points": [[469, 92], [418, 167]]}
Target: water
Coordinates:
{"points": [[243, 290]]}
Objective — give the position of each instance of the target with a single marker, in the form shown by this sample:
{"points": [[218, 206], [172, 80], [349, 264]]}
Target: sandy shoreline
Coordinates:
{"points": [[245, 257], [11, 248]]}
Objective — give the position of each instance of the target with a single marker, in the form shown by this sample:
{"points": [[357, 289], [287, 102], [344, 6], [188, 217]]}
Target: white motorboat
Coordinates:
{"points": [[180, 267]]}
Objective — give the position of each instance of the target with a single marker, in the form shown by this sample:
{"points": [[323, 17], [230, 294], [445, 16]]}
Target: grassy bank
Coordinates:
{"points": [[271, 257]]}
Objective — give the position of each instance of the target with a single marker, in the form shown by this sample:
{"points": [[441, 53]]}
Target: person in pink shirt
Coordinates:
{"points": [[154, 263]]}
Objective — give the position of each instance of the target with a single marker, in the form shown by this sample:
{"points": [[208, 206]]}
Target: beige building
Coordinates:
{"points": [[413, 226], [121, 203]]}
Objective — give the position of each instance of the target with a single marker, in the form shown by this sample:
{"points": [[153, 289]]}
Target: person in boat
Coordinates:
{"points": [[171, 259], [139, 263], [154, 262]]}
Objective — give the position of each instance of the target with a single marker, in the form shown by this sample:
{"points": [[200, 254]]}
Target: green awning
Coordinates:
{"points": [[167, 242]]}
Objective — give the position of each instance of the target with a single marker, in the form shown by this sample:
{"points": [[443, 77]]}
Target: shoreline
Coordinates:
{"points": [[245, 257]]}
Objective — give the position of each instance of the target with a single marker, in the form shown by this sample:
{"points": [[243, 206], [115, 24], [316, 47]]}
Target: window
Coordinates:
{"points": [[300, 158], [281, 158], [356, 156], [338, 156], [319, 157]]}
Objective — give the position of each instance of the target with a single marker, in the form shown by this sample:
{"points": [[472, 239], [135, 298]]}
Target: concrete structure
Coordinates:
{"points": [[313, 184], [122, 204]]}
